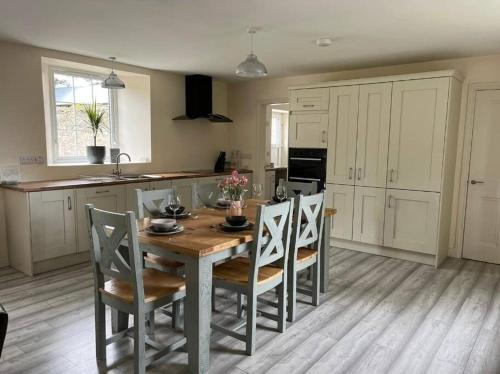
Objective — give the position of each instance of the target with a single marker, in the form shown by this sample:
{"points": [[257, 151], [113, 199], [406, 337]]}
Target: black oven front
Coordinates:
{"points": [[307, 165]]}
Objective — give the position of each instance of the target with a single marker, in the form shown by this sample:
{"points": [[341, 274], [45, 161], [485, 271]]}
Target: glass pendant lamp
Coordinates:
{"points": [[251, 67], [112, 81]]}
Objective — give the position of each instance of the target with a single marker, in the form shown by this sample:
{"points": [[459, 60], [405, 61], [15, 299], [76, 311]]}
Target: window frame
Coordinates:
{"points": [[113, 113]]}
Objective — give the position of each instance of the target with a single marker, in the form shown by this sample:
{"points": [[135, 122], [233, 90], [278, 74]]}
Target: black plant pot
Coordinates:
{"points": [[96, 154]]}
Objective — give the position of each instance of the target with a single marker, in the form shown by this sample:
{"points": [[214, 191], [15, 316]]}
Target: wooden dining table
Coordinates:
{"points": [[199, 246]]}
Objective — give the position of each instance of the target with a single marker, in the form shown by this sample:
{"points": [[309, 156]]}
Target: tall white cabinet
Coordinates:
{"points": [[391, 162]]}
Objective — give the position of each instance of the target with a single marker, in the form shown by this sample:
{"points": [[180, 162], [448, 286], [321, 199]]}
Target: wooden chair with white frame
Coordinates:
{"points": [[294, 189], [205, 194], [131, 288], [255, 275]]}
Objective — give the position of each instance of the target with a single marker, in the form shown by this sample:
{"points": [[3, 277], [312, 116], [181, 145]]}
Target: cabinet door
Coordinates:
{"points": [[185, 188], [342, 129], [368, 222], [131, 195], [110, 198], [269, 187], [308, 130], [309, 99], [53, 224], [160, 185], [341, 198], [411, 220], [418, 124], [373, 134]]}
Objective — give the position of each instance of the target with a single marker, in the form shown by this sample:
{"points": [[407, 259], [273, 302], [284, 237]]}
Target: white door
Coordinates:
{"points": [[53, 224], [110, 198], [341, 198], [342, 129], [308, 130], [309, 99], [418, 124], [482, 224], [368, 222], [411, 220], [373, 134]]}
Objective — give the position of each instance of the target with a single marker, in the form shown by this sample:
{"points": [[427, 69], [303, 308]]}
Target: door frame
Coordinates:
{"points": [[260, 145], [462, 170]]}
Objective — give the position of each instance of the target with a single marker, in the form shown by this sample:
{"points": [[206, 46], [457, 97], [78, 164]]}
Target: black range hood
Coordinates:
{"points": [[199, 100]]}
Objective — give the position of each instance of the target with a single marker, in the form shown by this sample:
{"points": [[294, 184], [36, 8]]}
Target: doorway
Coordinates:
{"points": [[482, 215], [277, 135]]}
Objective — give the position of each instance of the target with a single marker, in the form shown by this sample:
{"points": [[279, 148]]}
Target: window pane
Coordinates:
{"points": [[66, 143], [63, 88], [65, 116]]}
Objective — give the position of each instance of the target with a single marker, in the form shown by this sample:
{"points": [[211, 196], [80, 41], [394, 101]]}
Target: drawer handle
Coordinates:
{"points": [[69, 203], [308, 105], [103, 191]]}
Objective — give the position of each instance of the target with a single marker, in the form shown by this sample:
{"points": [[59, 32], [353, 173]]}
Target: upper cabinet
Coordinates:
{"points": [[309, 99], [308, 130], [342, 130], [417, 135]]}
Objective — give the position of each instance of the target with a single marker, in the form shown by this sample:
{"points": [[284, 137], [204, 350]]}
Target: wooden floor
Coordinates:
{"points": [[381, 315]]}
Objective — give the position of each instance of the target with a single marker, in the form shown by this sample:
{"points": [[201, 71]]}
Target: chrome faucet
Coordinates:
{"points": [[118, 171]]}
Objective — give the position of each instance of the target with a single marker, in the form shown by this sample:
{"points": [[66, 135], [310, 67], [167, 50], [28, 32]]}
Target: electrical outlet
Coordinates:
{"points": [[31, 160]]}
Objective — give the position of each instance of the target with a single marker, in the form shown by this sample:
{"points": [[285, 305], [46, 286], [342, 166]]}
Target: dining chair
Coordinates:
{"points": [[205, 194], [131, 288], [4, 322], [304, 248], [254, 275], [299, 188]]}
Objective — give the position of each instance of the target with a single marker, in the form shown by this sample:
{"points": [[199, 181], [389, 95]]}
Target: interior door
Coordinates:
{"points": [[482, 223], [342, 129], [373, 134], [308, 130], [418, 124], [341, 198], [368, 222]]}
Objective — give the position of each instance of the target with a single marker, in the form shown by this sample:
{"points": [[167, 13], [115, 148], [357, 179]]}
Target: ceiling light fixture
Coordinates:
{"points": [[324, 42], [113, 82], [251, 67]]}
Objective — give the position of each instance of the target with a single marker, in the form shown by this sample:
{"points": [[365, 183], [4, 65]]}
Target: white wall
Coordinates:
{"points": [[245, 98]]}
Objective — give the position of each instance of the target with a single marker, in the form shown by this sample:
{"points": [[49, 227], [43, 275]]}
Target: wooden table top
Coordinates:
{"points": [[201, 235]]}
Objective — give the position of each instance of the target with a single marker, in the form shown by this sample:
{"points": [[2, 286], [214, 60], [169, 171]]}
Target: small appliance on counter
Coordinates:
{"points": [[307, 165], [220, 163]]}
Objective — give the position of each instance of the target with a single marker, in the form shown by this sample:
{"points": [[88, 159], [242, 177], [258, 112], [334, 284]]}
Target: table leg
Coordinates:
{"points": [[198, 313], [325, 255]]}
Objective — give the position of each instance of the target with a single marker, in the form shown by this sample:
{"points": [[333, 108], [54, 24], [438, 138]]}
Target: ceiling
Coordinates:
{"points": [[209, 37]]}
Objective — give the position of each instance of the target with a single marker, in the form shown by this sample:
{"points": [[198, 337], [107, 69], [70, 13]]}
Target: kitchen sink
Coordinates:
{"points": [[112, 177]]}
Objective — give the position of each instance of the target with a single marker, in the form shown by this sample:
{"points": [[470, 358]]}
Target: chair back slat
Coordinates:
{"points": [[107, 230], [152, 203], [271, 236], [308, 222], [205, 194], [294, 189]]}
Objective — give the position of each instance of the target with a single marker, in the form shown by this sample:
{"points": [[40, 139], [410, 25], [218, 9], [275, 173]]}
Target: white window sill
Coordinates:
{"points": [[105, 163]]}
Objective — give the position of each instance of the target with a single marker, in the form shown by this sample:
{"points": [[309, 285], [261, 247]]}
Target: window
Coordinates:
{"points": [[71, 134]]}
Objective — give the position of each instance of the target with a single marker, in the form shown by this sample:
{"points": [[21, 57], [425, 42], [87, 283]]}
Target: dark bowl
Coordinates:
{"points": [[179, 211], [236, 220]]}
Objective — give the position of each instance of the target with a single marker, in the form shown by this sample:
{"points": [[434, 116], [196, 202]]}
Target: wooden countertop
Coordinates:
{"points": [[82, 182]]}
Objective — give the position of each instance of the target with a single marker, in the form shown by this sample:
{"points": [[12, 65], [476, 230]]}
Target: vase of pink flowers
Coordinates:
{"points": [[233, 188]]}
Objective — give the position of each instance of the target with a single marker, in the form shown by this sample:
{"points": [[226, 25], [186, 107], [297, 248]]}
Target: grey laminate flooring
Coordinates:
{"points": [[380, 315]]}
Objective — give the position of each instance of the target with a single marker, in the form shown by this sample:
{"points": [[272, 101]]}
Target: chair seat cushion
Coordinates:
{"points": [[157, 284], [162, 261], [304, 254], [238, 270]]}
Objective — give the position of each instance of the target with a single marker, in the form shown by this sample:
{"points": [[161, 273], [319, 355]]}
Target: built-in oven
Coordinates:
{"points": [[307, 165]]}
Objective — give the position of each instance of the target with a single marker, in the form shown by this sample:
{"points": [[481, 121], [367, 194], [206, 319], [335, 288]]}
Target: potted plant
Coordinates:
{"points": [[95, 153], [234, 188]]}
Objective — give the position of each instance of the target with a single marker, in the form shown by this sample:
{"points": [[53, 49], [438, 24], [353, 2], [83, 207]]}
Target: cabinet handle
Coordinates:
{"points": [[103, 191], [391, 177], [69, 203], [308, 105], [323, 136], [350, 173], [389, 205], [359, 174]]}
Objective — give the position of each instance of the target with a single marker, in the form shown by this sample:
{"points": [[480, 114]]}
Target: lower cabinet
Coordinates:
{"points": [[184, 187], [368, 220], [53, 224], [111, 198], [411, 220], [341, 197], [131, 195]]}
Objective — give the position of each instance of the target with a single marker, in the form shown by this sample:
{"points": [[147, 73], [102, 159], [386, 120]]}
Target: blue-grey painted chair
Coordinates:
{"points": [[255, 275], [304, 248], [205, 194], [131, 288], [299, 188]]}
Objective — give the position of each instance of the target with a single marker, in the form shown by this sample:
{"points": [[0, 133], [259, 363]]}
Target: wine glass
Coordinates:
{"points": [[281, 193], [174, 202], [257, 190]]}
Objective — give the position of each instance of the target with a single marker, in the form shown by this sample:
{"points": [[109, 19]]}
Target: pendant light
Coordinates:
{"points": [[113, 82], [251, 67]]}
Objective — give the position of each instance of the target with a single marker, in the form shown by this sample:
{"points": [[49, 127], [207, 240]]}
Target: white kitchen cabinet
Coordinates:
{"points": [[341, 198], [110, 198], [53, 224], [411, 220], [160, 185], [184, 187], [131, 195], [308, 130], [342, 130], [417, 135], [373, 134], [309, 99], [369, 209], [270, 184]]}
